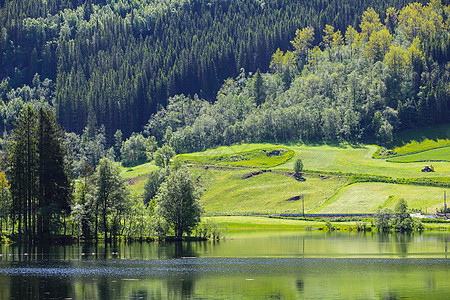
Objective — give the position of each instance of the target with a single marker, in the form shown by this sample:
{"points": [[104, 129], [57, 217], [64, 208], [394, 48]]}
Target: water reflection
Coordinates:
{"points": [[38, 288], [280, 265]]}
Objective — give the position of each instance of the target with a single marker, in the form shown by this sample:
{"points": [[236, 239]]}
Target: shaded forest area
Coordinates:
{"points": [[117, 62]]}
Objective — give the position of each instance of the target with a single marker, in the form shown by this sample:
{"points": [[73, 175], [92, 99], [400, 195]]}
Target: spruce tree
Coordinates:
{"points": [[40, 185], [258, 89], [54, 181]]}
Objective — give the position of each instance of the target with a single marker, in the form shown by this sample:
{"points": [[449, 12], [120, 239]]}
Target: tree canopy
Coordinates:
{"points": [[178, 202]]}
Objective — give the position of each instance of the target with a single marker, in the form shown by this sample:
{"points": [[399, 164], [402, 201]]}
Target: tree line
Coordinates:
{"points": [[40, 201], [38, 175], [117, 62], [355, 86]]}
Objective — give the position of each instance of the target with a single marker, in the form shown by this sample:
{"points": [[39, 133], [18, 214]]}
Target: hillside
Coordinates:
{"points": [[245, 185], [117, 62]]}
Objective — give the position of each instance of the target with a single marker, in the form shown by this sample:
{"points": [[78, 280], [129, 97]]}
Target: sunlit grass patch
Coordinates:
{"points": [[418, 140], [367, 197], [439, 154], [265, 157], [143, 169], [358, 160], [136, 176], [232, 192]]}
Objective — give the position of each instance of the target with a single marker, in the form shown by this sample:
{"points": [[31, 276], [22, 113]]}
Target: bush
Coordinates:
{"points": [[382, 218], [298, 166]]}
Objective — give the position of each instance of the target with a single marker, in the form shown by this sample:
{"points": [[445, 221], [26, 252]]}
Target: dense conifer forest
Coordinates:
{"points": [[117, 62]]}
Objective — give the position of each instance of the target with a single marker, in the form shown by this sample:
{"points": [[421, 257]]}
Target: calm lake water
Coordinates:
{"points": [[270, 265]]}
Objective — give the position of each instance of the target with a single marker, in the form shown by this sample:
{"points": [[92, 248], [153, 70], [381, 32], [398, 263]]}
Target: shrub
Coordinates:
{"points": [[298, 166]]}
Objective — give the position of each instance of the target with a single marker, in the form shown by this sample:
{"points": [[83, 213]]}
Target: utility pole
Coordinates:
{"points": [[445, 203], [303, 204]]}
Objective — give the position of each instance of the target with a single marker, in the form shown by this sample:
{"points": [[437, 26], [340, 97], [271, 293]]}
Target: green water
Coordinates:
{"points": [[274, 265]]}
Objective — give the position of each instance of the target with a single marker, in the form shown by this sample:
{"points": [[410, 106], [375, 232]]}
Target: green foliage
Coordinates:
{"points": [[153, 183], [437, 181], [178, 202], [382, 219], [5, 200], [137, 223], [38, 170], [209, 230], [402, 221], [134, 150], [82, 210], [111, 196], [329, 226], [258, 88], [55, 188], [149, 50], [362, 91], [298, 165], [163, 156]]}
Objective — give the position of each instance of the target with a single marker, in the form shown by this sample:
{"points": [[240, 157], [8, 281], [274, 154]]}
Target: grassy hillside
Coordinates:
{"points": [[136, 176], [439, 154], [231, 191], [367, 197], [419, 140], [343, 158], [249, 178], [264, 157], [421, 135], [359, 160]]}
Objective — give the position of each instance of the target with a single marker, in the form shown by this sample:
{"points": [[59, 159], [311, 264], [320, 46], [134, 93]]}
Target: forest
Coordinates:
{"points": [[87, 85], [115, 63]]}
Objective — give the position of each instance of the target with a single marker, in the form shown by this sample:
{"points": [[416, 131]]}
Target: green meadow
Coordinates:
{"points": [[136, 176], [251, 223], [233, 192], [259, 157], [439, 154], [358, 160], [249, 179], [368, 196]]}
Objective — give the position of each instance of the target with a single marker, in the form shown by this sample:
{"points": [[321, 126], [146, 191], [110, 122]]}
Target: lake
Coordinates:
{"points": [[254, 265]]}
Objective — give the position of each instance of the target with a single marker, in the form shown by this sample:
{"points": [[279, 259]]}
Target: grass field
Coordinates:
{"points": [[367, 197], [244, 224], [262, 157], [431, 133], [136, 176], [347, 159], [418, 140], [227, 192], [243, 179], [439, 154]]}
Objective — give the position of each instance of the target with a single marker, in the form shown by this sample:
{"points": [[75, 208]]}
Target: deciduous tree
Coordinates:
{"points": [[178, 202]]}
